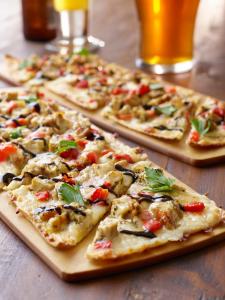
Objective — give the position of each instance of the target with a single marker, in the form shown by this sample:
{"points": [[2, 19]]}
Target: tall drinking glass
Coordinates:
{"points": [[73, 15], [166, 35]]}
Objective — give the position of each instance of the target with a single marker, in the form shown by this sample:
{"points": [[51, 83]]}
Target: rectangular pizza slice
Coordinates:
{"points": [[208, 124], [156, 210]]}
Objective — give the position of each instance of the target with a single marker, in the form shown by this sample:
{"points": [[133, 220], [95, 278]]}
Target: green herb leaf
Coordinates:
{"points": [[71, 194], [83, 51], [201, 126], [65, 145], [157, 181], [168, 110], [25, 64], [156, 86], [30, 99], [16, 133]]}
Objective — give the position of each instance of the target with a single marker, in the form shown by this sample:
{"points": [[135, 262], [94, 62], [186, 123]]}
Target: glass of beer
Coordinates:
{"points": [[166, 35], [73, 15]]}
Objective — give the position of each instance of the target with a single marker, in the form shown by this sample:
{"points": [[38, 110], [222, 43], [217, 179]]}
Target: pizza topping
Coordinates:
{"points": [[143, 89], [201, 126], [143, 196], [118, 91], [16, 133], [151, 113], [82, 84], [104, 244], [126, 157], [168, 110], [157, 182], [152, 225], [82, 52], [193, 207], [43, 196], [194, 136], [126, 172], [125, 117], [70, 194], [67, 149], [6, 151], [11, 106], [146, 233], [219, 111], [99, 196], [7, 178], [68, 179], [92, 157]]}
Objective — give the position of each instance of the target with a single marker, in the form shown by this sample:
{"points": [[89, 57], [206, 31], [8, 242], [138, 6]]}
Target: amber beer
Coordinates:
{"points": [[166, 29]]}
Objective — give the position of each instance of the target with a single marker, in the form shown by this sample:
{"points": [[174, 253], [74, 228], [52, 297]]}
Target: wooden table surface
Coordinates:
{"points": [[200, 275]]}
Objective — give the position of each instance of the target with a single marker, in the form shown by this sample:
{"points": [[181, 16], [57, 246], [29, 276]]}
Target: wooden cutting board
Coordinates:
{"points": [[176, 149], [73, 265]]}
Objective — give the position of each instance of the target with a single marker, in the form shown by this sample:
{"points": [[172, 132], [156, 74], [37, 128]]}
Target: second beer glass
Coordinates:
{"points": [[166, 33]]}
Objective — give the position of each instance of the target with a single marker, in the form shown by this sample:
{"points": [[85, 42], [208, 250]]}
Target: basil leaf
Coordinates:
{"points": [[24, 64], [168, 110], [71, 194], [16, 133], [156, 86], [65, 145], [201, 126], [83, 51], [157, 182]]}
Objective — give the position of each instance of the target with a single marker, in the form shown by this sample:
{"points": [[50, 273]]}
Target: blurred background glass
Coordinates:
{"points": [[166, 34], [73, 16], [39, 22]]}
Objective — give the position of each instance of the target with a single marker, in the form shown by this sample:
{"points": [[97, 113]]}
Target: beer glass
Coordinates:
{"points": [[166, 35], [73, 15]]}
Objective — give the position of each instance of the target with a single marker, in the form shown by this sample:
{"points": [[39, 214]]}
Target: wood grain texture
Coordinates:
{"points": [[195, 276]]}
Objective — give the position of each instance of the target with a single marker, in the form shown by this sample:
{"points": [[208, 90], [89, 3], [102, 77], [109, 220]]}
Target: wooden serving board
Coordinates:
{"points": [[73, 265], [176, 149]]}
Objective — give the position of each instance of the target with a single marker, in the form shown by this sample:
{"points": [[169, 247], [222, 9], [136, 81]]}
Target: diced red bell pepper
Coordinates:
{"points": [[124, 117], [152, 225], [103, 81], [82, 143], [6, 151], [82, 84], [143, 89], [151, 113], [127, 157], [43, 196], [171, 89], [10, 124], [99, 194], [194, 207], [104, 244], [118, 91], [106, 185], [92, 157], [40, 95], [70, 154], [22, 121], [11, 106], [194, 136], [219, 111], [106, 151]]}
